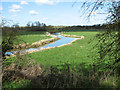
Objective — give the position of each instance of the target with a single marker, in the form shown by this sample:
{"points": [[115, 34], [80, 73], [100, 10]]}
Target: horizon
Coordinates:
{"points": [[50, 13]]}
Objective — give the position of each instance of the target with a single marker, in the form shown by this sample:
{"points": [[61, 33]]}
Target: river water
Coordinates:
{"points": [[63, 40]]}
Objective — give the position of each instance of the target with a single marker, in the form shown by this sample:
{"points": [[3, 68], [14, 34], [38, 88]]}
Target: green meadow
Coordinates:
{"points": [[31, 36], [76, 53], [79, 55]]}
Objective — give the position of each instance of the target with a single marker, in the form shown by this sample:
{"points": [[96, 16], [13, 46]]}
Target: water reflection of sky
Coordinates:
{"points": [[63, 40]]}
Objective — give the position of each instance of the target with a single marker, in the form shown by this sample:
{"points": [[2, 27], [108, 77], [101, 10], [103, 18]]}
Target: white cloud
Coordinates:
{"points": [[1, 8], [32, 12], [15, 8], [86, 7], [44, 18], [14, 15], [23, 2], [3, 17], [49, 2], [61, 0]]}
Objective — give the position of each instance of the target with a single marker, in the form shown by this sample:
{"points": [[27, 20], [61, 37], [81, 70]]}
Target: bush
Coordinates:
{"points": [[8, 39], [51, 29]]}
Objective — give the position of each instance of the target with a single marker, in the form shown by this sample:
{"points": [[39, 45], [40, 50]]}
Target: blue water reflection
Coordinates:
{"points": [[63, 40]]}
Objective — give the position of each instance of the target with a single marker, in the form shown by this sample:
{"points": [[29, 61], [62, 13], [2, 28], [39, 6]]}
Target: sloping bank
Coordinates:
{"points": [[63, 41], [54, 47], [73, 36], [38, 43]]}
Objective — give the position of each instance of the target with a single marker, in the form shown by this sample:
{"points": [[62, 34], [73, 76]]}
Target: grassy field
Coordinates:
{"points": [[31, 36], [76, 53]]}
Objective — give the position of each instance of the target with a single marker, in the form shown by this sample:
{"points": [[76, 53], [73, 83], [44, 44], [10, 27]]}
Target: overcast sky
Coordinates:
{"points": [[48, 11]]}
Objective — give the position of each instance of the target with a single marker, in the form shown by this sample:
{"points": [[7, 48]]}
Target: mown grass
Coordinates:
{"points": [[76, 53], [31, 36]]}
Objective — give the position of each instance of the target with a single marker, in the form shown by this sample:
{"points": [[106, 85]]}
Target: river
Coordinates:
{"points": [[63, 40]]}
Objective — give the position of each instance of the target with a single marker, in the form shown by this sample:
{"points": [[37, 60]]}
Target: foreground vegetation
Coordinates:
{"points": [[69, 66]]}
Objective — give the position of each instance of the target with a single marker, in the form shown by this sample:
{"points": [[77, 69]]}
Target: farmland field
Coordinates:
{"points": [[31, 36], [80, 52], [76, 53]]}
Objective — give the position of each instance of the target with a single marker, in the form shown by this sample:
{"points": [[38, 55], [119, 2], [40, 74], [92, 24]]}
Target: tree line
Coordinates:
{"points": [[96, 27], [37, 26], [30, 26]]}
